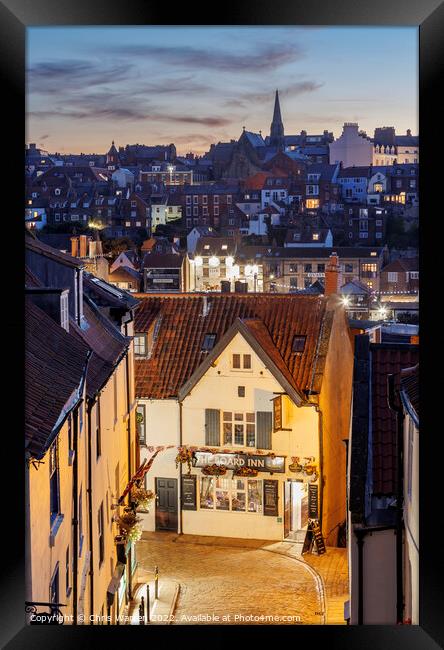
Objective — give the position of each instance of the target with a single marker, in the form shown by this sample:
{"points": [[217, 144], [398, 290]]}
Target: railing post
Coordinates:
{"points": [[142, 612], [156, 582]]}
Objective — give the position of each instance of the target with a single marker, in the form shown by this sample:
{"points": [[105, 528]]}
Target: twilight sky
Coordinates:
{"points": [[196, 85]]}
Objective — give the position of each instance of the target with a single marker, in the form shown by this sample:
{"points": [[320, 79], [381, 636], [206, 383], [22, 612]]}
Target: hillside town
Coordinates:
{"points": [[222, 359]]}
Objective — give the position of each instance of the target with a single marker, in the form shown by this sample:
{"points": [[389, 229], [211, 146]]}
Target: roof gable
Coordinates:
{"points": [[258, 337]]}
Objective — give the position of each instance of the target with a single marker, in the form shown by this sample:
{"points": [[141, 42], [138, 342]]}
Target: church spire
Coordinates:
{"points": [[277, 127]]}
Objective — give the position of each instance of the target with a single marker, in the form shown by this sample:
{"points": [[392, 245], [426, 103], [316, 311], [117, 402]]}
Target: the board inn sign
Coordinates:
{"points": [[234, 461]]}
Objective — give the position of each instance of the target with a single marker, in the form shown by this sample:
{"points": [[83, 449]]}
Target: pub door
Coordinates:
{"points": [[296, 511], [166, 504]]}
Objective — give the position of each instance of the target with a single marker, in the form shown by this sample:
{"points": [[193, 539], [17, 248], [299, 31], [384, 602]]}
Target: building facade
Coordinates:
{"points": [[258, 435]]}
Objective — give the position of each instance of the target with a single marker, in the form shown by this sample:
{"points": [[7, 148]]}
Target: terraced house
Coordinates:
{"points": [[249, 398], [81, 446]]}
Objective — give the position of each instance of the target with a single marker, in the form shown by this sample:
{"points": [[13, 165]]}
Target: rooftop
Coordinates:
{"points": [[176, 352]]}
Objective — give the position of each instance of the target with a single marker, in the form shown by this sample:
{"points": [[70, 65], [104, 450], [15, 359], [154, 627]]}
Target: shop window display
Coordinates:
{"points": [[236, 495]]}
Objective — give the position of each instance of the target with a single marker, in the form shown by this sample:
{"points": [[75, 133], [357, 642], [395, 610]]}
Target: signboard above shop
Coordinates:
{"points": [[235, 461]]}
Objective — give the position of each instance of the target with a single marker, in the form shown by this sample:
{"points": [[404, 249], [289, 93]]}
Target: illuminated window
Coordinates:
{"points": [[232, 494], [312, 203]]}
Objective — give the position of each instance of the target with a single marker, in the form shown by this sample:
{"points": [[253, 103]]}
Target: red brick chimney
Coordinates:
{"points": [[332, 275], [83, 245], [74, 246]]}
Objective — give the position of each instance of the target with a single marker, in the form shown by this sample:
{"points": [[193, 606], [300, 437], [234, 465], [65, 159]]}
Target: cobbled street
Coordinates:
{"points": [[233, 582]]}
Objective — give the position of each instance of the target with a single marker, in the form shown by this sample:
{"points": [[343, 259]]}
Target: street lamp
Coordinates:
{"points": [[346, 301]]}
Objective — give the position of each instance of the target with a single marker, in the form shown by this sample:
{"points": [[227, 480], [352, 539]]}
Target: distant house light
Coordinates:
{"points": [[373, 254]]}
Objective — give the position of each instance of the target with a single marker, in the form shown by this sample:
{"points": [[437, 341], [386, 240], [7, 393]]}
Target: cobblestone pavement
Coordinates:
{"points": [[233, 581], [333, 568]]}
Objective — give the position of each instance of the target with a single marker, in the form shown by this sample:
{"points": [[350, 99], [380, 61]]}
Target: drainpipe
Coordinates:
{"points": [[399, 496], [180, 472]]}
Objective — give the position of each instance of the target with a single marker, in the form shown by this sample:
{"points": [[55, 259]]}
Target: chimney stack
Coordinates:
{"points": [[332, 275], [74, 246], [83, 242]]}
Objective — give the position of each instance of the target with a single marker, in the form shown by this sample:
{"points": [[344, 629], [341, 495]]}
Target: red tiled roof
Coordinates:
{"points": [[54, 364], [402, 264], [386, 359], [176, 352]]}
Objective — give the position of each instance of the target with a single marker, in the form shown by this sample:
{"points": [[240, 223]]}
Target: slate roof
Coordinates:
{"points": [[402, 264], [54, 365], [162, 261], [106, 342], [386, 359], [104, 294], [39, 247], [176, 352]]}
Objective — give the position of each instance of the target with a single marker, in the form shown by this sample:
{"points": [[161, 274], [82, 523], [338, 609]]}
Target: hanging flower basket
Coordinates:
{"points": [[214, 470], [134, 534], [184, 456], [142, 498], [245, 471], [127, 521]]}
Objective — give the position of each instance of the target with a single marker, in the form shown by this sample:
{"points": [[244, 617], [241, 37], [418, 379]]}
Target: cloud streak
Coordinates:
{"points": [[263, 59]]}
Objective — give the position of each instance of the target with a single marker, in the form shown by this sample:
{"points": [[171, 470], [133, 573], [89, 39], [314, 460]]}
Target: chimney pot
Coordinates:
{"points": [[74, 246]]}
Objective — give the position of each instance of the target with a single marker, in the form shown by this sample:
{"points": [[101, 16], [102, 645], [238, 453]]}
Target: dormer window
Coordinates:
{"points": [[208, 343], [140, 345], [298, 344]]}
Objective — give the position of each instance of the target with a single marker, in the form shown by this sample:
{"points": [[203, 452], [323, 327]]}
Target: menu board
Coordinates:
{"points": [[189, 493], [271, 498], [312, 501]]}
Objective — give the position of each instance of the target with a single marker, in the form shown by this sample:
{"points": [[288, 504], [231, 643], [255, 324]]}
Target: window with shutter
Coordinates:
{"points": [[263, 429], [212, 427]]}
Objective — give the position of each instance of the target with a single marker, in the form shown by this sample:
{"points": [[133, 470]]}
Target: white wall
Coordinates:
{"points": [[351, 148], [411, 519], [379, 578], [218, 389]]}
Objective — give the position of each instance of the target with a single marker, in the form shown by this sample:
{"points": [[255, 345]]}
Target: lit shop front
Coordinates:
{"points": [[246, 495]]}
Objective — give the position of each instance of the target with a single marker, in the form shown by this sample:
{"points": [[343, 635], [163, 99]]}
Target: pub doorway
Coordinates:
{"points": [[296, 510], [166, 504]]}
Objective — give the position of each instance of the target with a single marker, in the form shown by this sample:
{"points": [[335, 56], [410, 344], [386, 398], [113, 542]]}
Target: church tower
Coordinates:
{"points": [[277, 127], [112, 158]]}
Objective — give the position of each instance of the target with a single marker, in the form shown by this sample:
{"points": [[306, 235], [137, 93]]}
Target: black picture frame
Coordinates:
{"points": [[428, 15]]}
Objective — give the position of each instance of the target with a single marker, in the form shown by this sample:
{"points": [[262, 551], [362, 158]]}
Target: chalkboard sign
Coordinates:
{"points": [[271, 497], [189, 493], [313, 501], [317, 535]]}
